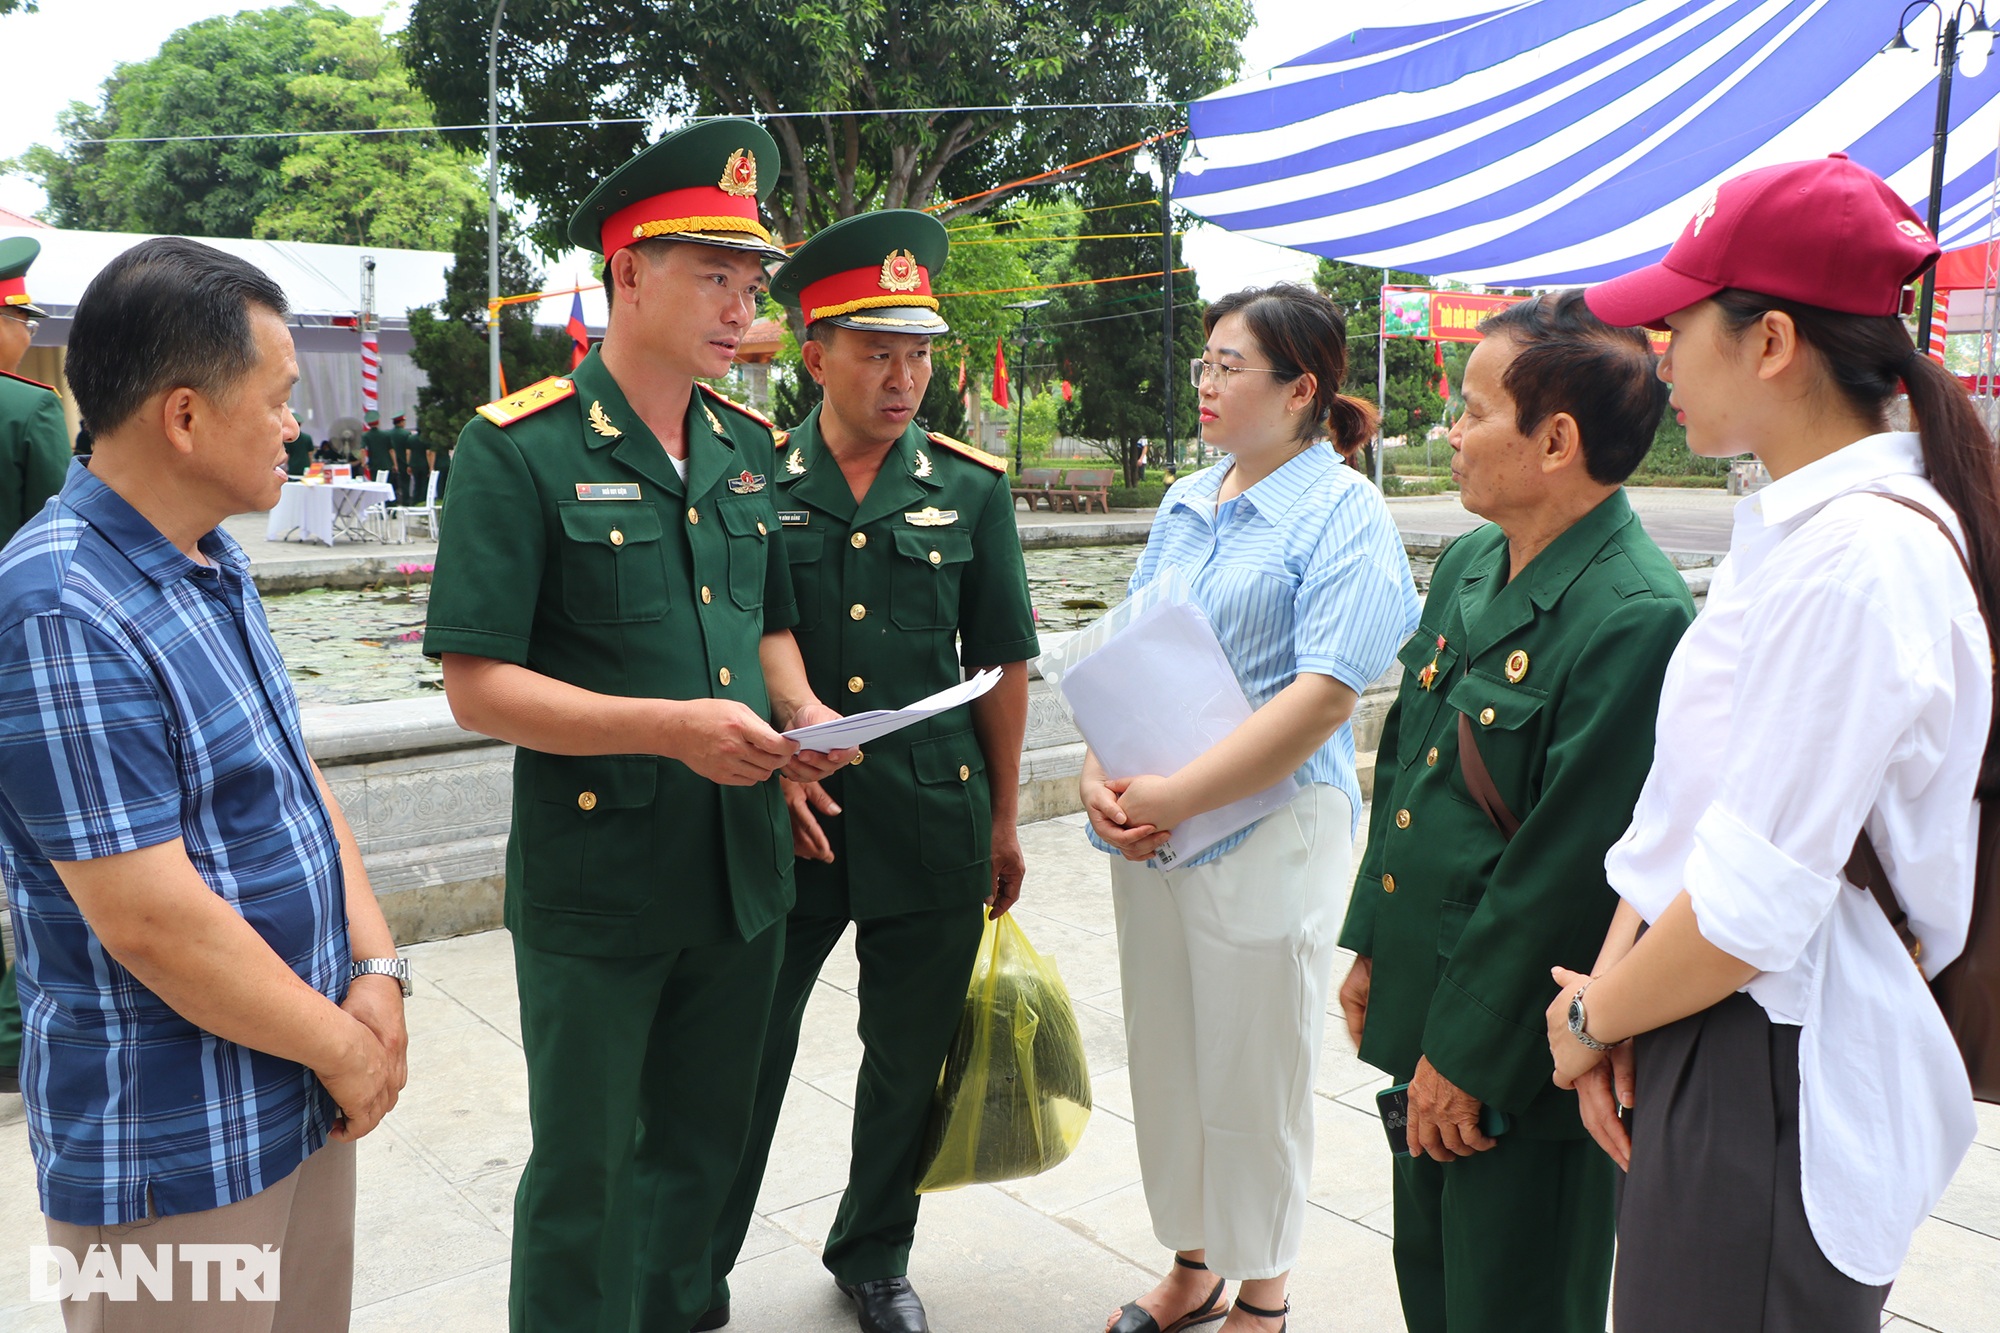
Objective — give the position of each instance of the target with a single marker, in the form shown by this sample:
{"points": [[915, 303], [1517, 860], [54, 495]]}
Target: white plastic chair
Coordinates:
{"points": [[427, 512]]}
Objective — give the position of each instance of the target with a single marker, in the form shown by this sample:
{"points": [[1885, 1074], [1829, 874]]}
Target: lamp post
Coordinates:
{"points": [[493, 201], [1978, 44], [1021, 359]]}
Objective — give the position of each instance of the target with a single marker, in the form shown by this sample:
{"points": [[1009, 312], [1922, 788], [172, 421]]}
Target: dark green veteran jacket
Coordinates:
{"points": [[893, 595], [1559, 672], [34, 450], [575, 550]]}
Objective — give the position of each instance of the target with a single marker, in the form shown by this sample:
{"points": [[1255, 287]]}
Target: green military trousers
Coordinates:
{"points": [[1516, 1239], [641, 1077], [914, 970], [10, 1016]]}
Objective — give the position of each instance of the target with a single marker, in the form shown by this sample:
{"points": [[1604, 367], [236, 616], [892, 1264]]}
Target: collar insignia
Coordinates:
{"points": [[923, 468], [931, 517], [714, 422], [795, 464], [602, 423], [746, 484]]}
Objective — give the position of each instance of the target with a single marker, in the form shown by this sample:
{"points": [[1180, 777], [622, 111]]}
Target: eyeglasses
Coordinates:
{"points": [[31, 324], [1199, 370]]}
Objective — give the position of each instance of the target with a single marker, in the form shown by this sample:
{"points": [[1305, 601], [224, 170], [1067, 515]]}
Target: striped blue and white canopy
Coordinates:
{"points": [[1566, 141]]}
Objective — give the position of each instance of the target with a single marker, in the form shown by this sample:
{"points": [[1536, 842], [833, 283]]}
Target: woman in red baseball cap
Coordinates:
{"points": [[1800, 1104]]}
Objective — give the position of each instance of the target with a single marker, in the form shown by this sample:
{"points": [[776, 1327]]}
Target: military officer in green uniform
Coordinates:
{"points": [[1541, 650], [419, 468], [298, 455], [34, 455], [406, 454], [612, 598], [378, 451], [907, 567]]}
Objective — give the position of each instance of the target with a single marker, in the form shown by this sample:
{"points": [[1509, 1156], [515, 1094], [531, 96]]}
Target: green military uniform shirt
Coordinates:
{"points": [[34, 450], [378, 451], [1559, 671], [895, 595], [298, 455], [575, 550]]}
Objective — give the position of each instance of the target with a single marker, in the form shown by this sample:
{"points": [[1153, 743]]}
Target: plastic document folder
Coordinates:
{"points": [[1150, 689]]}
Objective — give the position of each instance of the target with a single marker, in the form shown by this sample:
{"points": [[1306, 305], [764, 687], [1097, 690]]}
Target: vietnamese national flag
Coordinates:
{"points": [[579, 335], [1444, 381], [999, 374], [1067, 392]]}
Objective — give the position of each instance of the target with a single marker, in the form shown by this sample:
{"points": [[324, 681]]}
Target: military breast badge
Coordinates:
{"points": [[1517, 666], [931, 517], [899, 272], [739, 174], [746, 483], [1428, 676]]}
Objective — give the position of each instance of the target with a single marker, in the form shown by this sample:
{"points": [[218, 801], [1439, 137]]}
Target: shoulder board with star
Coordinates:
{"points": [[739, 408], [547, 393], [779, 437], [25, 380], [964, 450]]}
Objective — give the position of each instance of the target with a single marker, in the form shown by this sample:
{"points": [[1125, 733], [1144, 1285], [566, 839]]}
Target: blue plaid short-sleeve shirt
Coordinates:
{"points": [[142, 700]]}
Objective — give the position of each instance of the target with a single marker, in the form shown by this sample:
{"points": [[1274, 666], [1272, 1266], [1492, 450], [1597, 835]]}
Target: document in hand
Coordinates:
{"points": [[1151, 694], [877, 723]]}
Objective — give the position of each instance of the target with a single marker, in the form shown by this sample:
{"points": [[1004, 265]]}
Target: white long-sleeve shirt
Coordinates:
{"points": [[1840, 672]]}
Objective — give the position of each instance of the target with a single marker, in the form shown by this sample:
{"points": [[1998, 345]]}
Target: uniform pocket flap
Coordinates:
{"points": [[804, 547], [1416, 654], [597, 521], [745, 518], [934, 546], [598, 781], [1494, 705], [951, 758]]}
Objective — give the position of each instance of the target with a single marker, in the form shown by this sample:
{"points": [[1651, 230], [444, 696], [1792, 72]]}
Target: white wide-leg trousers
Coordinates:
{"points": [[1226, 969]]}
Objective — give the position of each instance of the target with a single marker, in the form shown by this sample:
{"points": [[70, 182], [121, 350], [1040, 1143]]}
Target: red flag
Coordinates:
{"points": [[1068, 393], [999, 374], [579, 334], [1444, 381]]}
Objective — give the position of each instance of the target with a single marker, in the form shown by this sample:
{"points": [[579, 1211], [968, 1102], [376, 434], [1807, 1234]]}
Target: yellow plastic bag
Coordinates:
{"points": [[1015, 1092]]}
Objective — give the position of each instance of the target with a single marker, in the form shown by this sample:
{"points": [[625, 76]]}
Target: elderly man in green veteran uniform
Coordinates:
{"points": [[34, 455], [907, 567], [1509, 763], [612, 599]]}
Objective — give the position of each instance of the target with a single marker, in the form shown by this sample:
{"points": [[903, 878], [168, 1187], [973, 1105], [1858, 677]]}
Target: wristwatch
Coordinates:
{"points": [[1577, 1020], [399, 968]]}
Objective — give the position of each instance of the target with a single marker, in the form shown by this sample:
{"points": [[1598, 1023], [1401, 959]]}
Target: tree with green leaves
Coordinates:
{"points": [[451, 340], [302, 67], [1413, 406], [842, 61]]}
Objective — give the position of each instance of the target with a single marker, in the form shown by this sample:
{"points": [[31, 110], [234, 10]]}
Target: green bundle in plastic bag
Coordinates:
{"points": [[1015, 1092]]}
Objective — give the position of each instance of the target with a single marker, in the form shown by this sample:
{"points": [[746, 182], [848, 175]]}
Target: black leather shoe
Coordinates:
{"points": [[717, 1316], [886, 1305]]}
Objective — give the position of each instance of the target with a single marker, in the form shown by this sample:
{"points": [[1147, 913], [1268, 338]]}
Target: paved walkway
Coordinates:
{"points": [[1050, 1255], [1690, 521]]}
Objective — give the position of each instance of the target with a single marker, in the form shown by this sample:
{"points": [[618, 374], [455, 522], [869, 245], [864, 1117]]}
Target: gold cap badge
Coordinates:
{"points": [[899, 272], [739, 174]]}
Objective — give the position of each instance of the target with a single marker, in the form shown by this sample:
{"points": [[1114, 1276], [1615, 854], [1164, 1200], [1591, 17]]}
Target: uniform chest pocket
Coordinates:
{"points": [[923, 586], [1421, 707], [748, 524], [613, 563], [1507, 724], [803, 549]]}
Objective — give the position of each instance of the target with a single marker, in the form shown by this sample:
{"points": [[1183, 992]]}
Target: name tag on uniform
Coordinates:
{"points": [[794, 518], [624, 490]]}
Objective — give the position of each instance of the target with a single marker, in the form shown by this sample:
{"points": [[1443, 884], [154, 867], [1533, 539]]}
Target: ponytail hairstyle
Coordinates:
{"points": [[1867, 359], [1303, 332]]}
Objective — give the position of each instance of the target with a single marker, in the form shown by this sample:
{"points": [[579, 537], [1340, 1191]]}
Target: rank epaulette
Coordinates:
{"points": [[964, 450], [778, 438], [735, 406], [529, 401], [25, 380]]}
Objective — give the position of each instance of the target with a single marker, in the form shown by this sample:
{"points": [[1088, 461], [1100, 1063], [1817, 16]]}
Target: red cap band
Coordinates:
{"points": [[697, 208], [886, 284], [14, 291]]}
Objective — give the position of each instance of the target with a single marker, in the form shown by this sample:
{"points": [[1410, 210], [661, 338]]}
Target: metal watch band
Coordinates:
{"points": [[399, 968], [1578, 1021]]}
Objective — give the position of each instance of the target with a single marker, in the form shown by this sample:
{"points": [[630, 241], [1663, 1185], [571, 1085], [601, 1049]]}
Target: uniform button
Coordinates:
{"points": [[854, 684], [707, 597], [694, 515], [586, 801], [1430, 760], [1485, 717], [760, 528], [936, 559], [617, 537], [858, 540], [1388, 883], [857, 759], [723, 675], [857, 612], [1402, 819], [964, 772]]}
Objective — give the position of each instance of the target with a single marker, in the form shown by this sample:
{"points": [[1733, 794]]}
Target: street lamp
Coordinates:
{"points": [[1021, 359], [1977, 45], [493, 202]]}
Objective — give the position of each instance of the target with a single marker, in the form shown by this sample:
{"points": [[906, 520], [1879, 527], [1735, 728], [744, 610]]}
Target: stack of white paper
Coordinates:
{"points": [[879, 722]]}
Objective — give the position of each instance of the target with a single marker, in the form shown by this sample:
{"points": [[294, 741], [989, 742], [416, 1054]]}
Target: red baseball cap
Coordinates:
{"points": [[1828, 233]]}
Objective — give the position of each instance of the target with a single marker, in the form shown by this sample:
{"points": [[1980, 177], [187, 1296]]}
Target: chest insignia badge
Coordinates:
{"points": [[602, 423], [1517, 667], [931, 517], [923, 468], [795, 464], [1428, 676], [746, 483]]}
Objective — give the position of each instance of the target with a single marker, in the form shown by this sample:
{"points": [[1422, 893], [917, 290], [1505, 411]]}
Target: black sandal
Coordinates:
{"points": [[1283, 1314], [1134, 1319]]}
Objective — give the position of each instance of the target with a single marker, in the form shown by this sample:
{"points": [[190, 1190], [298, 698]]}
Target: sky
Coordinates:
{"points": [[65, 52]]}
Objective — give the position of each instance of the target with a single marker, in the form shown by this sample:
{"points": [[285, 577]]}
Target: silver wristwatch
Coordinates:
{"points": [[1577, 1021], [399, 968]]}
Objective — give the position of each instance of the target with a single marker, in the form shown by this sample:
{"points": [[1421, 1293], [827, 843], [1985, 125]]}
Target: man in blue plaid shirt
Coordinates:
{"points": [[213, 1011]]}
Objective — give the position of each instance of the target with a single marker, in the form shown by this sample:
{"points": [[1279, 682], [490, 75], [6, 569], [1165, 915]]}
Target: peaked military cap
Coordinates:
{"points": [[16, 253], [872, 271], [702, 184]]}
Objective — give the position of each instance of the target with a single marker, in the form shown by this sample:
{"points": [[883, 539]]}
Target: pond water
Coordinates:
{"points": [[366, 645]]}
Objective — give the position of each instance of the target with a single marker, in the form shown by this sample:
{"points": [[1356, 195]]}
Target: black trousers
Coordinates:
{"points": [[1712, 1232]]}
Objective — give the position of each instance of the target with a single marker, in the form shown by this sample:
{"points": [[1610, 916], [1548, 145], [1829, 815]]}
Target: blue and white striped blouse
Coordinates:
{"points": [[1303, 572]]}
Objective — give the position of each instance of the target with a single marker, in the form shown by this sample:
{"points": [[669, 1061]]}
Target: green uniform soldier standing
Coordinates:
{"points": [[406, 453], [378, 451], [612, 598], [1544, 641], [907, 567], [34, 455], [298, 455]]}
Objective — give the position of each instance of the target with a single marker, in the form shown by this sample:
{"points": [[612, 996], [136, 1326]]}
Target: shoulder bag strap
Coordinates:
{"points": [[1472, 767]]}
